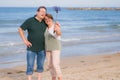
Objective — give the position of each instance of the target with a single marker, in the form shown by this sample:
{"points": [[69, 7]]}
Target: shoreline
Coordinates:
{"points": [[95, 67]]}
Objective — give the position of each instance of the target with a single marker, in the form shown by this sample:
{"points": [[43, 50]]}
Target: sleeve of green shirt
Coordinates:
{"points": [[25, 25]]}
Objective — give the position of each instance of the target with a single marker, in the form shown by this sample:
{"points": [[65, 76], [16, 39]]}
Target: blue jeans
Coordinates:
{"points": [[40, 58]]}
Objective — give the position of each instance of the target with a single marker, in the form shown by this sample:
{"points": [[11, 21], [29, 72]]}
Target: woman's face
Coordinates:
{"points": [[48, 20]]}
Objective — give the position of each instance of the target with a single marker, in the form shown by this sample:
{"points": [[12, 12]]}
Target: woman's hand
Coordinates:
{"points": [[57, 24], [57, 28]]}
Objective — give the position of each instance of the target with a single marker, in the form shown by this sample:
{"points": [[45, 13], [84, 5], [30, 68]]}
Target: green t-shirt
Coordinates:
{"points": [[36, 31]]}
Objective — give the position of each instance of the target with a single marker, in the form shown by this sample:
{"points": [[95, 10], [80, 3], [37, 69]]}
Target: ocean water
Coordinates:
{"points": [[84, 32]]}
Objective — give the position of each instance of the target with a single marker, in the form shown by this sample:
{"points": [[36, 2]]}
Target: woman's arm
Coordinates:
{"points": [[57, 29]]}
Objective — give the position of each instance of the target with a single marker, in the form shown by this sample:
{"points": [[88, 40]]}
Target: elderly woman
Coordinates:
{"points": [[52, 47]]}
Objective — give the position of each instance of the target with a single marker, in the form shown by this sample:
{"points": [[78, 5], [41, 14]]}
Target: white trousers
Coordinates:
{"points": [[53, 60]]}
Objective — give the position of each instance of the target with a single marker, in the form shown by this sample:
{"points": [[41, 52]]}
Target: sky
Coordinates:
{"points": [[61, 3]]}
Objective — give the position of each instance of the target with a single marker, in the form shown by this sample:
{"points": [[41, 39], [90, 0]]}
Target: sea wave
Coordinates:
{"points": [[70, 39], [91, 37], [9, 44]]}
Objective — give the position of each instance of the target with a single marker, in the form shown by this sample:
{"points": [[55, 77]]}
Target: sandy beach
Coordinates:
{"points": [[95, 67]]}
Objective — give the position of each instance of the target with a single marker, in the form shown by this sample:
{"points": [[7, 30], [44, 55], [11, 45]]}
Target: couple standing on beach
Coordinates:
{"points": [[42, 41]]}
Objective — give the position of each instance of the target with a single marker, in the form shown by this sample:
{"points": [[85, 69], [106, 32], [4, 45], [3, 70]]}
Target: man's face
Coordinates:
{"points": [[41, 13]]}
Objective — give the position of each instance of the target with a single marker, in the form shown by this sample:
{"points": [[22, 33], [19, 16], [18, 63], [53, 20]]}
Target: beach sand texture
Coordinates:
{"points": [[95, 67]]}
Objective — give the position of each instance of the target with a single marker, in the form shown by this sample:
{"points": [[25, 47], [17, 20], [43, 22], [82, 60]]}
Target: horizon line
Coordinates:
{"points": [[58, 6]]}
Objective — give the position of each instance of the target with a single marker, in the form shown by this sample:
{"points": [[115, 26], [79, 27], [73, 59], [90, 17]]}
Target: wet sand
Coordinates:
{"points": [[95, 67]]}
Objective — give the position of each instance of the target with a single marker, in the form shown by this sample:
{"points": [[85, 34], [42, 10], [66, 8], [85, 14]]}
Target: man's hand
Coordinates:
{"points": [[27, 43]]}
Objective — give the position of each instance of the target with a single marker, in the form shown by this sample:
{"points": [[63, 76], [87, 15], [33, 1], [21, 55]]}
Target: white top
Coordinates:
{"points": [[51, 31]]}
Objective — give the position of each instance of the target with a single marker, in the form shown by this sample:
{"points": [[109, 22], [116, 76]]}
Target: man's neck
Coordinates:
{"points": [[39, 19]]}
